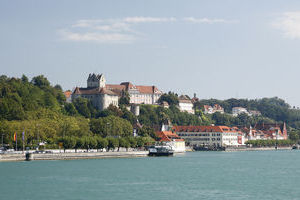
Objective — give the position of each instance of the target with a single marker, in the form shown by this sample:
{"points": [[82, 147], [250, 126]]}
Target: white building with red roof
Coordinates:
{"points": [[139, 94], [214, 136], [265, 132], [185, 104], [172, 139]]}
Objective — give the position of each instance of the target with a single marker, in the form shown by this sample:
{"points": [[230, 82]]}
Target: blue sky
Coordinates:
{"points": [[214, 48]]}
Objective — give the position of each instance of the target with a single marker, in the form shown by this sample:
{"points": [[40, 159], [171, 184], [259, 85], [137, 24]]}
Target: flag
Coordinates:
{"points": [[23, 136], [15, 136]]}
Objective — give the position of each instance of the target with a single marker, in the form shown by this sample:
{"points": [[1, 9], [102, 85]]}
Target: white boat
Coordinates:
{"points": [[161, 150]]}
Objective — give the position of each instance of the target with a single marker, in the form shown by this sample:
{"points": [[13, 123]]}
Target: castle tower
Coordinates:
{"points": [[95, 81]]}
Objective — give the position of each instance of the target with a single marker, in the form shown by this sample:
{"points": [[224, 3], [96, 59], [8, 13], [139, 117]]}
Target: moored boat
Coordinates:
{"points": [[160, 151]]}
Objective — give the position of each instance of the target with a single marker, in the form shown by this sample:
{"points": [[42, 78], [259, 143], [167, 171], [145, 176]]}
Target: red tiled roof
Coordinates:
{"points": [[90, 91], [128, 86], [147, 89], [219, 129], [113, 86], [184, 99], [206, 107], [167, 136]]}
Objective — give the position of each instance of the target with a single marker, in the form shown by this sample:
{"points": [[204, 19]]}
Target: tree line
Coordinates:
{"points": [[41, 111]]}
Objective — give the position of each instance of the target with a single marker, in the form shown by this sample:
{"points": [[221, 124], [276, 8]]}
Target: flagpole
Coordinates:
{"points": [[23, 138], [16, 141]]}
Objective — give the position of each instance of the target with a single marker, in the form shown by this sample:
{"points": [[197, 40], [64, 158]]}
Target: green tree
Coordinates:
{"points": [[102, 143], [171, 98], [133, 142], [68, 142], [123, 142], [40, 81], [70, 109], [79, 143], [294, 135], [81, 106], [112, 143], [124, 99]]}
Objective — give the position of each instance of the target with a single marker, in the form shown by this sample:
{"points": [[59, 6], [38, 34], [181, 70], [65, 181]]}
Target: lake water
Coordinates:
{"points": [[193, 175]]}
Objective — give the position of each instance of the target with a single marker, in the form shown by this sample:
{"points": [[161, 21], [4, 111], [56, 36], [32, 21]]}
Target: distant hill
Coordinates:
{"points": [[274, 108]]}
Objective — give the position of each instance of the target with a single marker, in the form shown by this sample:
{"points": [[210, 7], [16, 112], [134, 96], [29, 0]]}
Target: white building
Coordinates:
{"points": [[212, 109], [138, 94], [217, 136], [185, 104], [239, 110]]}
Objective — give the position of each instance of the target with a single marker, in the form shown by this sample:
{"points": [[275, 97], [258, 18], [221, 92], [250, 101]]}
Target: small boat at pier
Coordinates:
{"points": [[161, 151]]}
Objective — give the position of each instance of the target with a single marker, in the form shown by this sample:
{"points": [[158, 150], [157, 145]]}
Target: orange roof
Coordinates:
{"points": [[68, 93], [219, 129], [167, 136], [147, 89]]}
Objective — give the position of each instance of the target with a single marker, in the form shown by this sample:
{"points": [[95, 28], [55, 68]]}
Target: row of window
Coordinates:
{"points": [[229, 139], [204, 139], [198, 134], [199, 139]]}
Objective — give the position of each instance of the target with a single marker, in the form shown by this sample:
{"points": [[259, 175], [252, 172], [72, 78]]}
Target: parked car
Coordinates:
{"points": [[40, 151]]}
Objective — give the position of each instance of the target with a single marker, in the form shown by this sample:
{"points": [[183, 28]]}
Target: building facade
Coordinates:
{"points": [[102, 95], [265, 132], [212, 109], [239, 110], [138, 94], [214, 136], [185, 104], [96, 92], [68, 95]]}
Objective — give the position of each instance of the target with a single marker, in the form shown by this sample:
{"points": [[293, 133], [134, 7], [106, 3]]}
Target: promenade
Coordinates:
{"points": [[72, 155]]}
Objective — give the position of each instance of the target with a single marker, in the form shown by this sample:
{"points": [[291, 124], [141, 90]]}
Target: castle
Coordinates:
{"points": [[102, 95]]}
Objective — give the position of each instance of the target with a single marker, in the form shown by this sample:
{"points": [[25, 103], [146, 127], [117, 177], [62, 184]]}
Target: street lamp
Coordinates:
{"points": [[107, 128]]}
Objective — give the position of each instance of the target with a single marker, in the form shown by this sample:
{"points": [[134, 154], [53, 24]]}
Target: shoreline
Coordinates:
{"points": [[258, 149], [13, 157], [72, 156]]}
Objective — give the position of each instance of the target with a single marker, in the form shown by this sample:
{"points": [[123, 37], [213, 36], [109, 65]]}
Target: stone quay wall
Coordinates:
{"points": [[71, 156]]}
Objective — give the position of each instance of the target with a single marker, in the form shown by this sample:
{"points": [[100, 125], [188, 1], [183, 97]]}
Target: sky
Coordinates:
{"points": [[215, 48]]}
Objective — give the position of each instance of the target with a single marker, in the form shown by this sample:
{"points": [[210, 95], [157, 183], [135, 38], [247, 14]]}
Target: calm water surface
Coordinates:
{"points": [[194, 175]]}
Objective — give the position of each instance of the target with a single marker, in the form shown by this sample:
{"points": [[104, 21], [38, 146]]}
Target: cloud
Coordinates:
{"points": [[148, 19], [108, 30], [97, 37], [122, 30], [289, 24], [208, 21]]}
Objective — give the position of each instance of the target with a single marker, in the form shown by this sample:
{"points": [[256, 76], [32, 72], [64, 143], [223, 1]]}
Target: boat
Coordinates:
{"points": [[161, 151]]}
